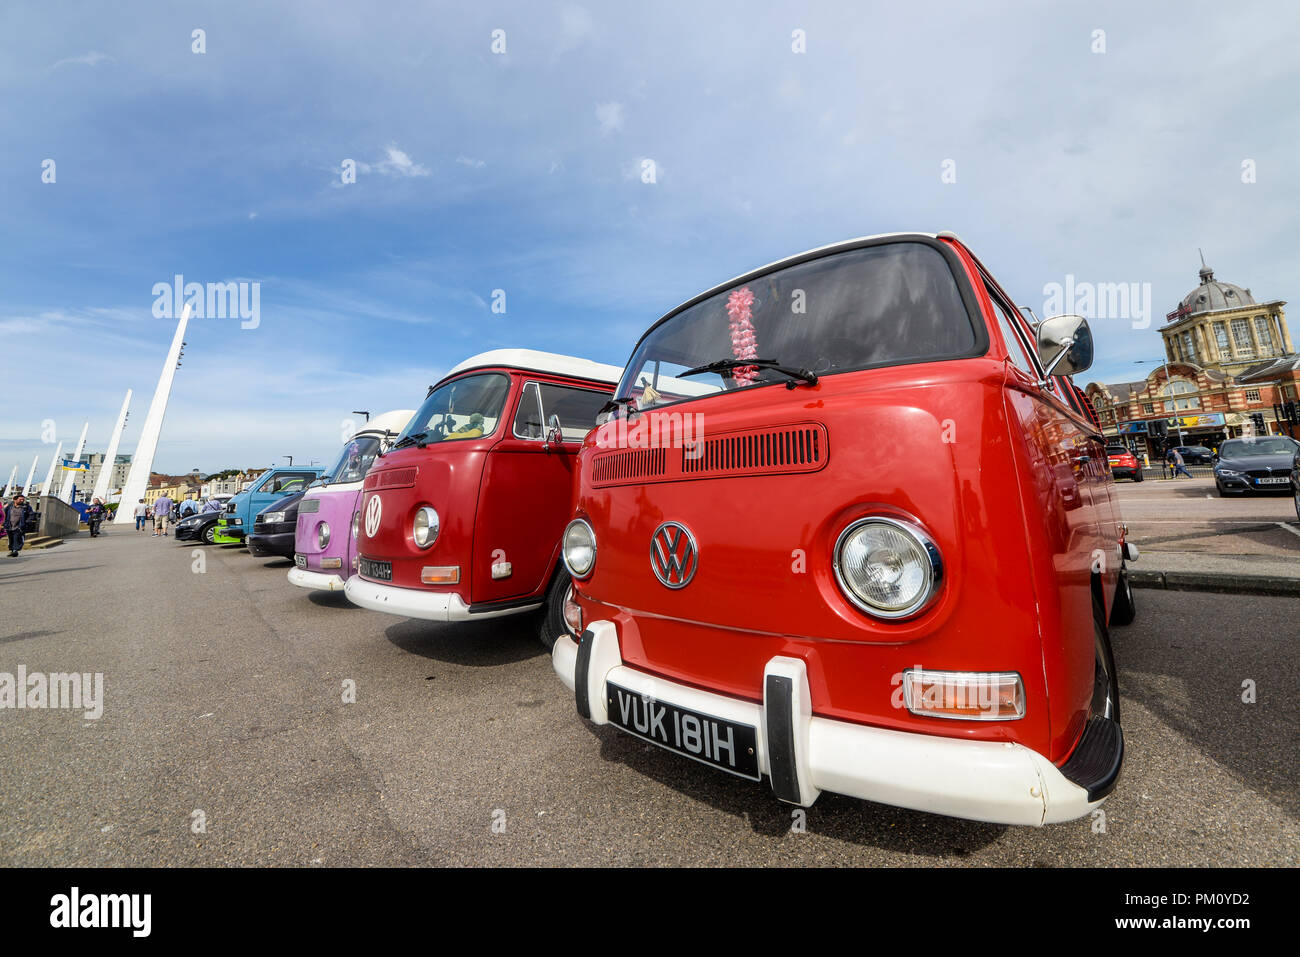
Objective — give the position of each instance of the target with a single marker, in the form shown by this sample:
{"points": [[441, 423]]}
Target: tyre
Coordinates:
{"points": [[209, 533], [552, 624], [1105, 684], [1123, 610], [1138, 477]]}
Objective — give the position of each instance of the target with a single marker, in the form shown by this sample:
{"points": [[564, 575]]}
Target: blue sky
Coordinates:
{"points": [[521, 171]]}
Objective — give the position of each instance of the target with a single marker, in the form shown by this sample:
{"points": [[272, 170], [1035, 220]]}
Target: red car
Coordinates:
{"points": [[461, 519], [1123, 463], [850, 528]]}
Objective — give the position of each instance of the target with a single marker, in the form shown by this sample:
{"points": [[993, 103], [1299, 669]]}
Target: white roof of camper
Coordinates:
{"points": [[393, 422], [541, 362]]}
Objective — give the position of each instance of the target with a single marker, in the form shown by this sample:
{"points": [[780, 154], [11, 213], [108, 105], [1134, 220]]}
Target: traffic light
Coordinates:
{"points": [[1258, 419], [1292, 411]]}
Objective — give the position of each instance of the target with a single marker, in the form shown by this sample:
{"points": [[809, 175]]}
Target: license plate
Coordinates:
{"points": [[383, 571], [1280, 480], [300, 561], [726, 745]]}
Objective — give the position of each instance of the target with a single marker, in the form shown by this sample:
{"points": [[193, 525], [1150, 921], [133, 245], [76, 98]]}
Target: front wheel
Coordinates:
{"points": [[1105, 685], [1138, 477], [209, 534], [553, 625]]}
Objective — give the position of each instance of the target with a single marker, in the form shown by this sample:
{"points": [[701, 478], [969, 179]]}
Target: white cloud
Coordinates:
{"points": [[93, 58], [395, 163], [610, 117], [576, 27], [470, 162]]}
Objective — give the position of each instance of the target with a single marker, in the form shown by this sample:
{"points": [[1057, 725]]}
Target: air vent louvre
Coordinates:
{"points": [[801, 448], [629, 464]]}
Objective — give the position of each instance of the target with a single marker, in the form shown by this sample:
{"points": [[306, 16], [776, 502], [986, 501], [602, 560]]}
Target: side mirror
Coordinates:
{"points": [[554, 432], [1064, 345]]}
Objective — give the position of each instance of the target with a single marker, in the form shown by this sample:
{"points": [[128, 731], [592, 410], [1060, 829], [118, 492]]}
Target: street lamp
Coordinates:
{"points": [[1178, 421], [361, 412], [290, 458]]}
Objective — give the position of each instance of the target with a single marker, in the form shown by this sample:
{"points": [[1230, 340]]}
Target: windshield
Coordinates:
{"points": [[1241, 448], [353, 462], [461, 409], [878, 305]]}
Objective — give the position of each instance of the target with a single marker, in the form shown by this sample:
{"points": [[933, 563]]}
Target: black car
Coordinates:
{"points": [[198, 527], [273, 528], [1262, 464], [1193, 454]]}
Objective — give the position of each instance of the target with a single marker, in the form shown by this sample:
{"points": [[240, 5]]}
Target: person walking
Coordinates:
{"points": [[141, 514], [1176, 460], [162, 510], [16, 515], [95, 516]]}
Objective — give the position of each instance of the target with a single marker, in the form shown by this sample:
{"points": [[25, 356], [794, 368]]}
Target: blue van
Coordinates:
{"points": [[237, 519]]}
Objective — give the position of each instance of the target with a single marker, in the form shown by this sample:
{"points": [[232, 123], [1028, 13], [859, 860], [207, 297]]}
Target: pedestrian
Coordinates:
{"points": [[17, 513], [162, 510], [1176, 460], [95, 516], [141, 514], [213, 505]]}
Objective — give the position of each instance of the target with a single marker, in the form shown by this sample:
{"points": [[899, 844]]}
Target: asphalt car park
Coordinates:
{"points": [[225, 740]]}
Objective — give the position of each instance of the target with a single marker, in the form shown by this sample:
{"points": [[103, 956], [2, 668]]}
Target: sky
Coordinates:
{"points": [[504, 146]]}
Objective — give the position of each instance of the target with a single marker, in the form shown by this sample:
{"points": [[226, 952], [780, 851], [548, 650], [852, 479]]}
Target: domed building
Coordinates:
{"points": [[1229, 358], [1219, 326]]}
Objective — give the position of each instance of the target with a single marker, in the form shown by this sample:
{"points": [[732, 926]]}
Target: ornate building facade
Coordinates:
{"points": [[1228, 357]]}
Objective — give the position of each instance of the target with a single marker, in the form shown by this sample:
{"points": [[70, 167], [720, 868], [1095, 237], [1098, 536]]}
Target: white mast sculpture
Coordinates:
{"points": [[142, 461], [31, 473], [110, 457], [49, 476], [10, 484], [66, 493]]}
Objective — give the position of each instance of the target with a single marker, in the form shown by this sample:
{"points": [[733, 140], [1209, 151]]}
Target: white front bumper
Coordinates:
{"points": [[1000, 782], [317, 581], [418, 603]]}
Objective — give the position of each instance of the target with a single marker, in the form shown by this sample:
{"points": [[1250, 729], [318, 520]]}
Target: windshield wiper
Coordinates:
{"points": [[614, 404], [729, 365], [412, 439]]}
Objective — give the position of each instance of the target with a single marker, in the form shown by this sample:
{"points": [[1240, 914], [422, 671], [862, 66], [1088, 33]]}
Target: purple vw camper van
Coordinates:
{"points": [[325, 539]]}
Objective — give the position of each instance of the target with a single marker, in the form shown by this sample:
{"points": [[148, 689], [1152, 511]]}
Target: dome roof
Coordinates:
{"points": [[1212, 295]]}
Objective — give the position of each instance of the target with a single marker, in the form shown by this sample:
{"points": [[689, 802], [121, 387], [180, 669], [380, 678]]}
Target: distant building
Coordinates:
{"points": [[1229, 358], [121, 466]]}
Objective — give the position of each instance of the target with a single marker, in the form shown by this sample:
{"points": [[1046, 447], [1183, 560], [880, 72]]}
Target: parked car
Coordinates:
{"points": [[1192, 454], [1123, 463], [325, 537], [273, 528], [861, 577], [1257, 464], [198, 528], [270, 486], [461, 519]]}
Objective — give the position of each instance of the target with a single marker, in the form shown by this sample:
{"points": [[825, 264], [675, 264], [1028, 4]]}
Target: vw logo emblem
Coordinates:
{"points": [[373, 509], [673, 555]]}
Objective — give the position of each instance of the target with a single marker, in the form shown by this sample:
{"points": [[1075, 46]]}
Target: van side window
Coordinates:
{"points": [[1011, 334], [577, 409], [528, 419]]}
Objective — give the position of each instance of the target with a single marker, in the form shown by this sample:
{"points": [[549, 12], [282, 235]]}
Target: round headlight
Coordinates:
{"points": [[323, 535], [888, 568], [579, 548], [425, 528]]}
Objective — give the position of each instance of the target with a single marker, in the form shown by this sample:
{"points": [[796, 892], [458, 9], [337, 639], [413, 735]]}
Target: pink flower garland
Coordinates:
{"points": [[744, 340]]}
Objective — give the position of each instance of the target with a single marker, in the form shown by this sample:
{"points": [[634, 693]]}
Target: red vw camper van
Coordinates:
{"points": [[461, 519], [851, 527]]}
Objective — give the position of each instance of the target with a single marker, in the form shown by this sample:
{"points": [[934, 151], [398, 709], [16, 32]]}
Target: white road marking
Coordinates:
{"points": [[1293, 531]]}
